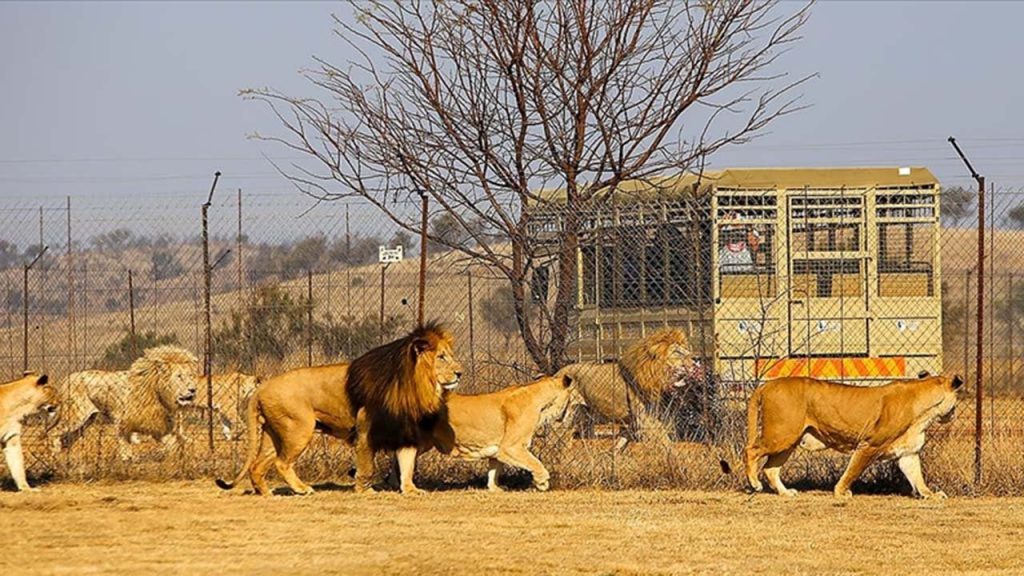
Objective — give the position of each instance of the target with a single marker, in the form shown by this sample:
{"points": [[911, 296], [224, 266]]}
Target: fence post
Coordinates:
{"points": [[42, 324], [423, 258], [979, 344], [380, 338], [24, 307], [207, 371], [131, 315], [348, 284], [72, 343], [1012, 320], [238, 243], [967, 324], [472, 347], [309, 317]]}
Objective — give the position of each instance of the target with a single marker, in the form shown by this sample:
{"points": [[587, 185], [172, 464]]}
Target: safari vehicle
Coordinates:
{"points": [[825, 272]]}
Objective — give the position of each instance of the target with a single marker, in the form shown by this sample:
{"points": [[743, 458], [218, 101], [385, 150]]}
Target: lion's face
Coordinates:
{"points": [[180, 385], [42, 396], [682, 366], [447, 371], [949, 388], [566, 398]]}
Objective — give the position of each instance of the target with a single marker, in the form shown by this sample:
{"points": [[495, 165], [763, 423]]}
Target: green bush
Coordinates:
{"points": [[270, 325], [348, 338], [119, 355]]}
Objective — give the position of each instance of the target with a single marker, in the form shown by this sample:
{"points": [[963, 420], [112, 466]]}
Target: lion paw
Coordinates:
{"points": [[412, 491], [843, 494], [543, 485], [789, 492], [937, 495]]}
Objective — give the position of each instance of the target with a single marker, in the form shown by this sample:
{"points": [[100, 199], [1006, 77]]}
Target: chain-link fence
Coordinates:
{"points": [[854, 275]]}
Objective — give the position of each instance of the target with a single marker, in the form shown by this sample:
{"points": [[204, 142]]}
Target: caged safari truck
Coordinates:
{"points": [[826, 272]]}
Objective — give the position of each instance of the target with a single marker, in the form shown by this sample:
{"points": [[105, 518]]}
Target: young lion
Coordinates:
{"points": [[18, 399], [873, 422], [500, 426]]}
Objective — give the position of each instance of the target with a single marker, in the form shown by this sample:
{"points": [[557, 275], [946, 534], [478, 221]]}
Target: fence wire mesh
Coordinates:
{"points": [[862, 285]]}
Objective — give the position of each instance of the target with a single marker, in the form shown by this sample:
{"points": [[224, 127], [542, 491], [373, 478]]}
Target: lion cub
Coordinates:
{"points": [[19, 399], [500, 425]]}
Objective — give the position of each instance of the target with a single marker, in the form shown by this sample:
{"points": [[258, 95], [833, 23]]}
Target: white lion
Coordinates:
{"points": [[142, 401]]}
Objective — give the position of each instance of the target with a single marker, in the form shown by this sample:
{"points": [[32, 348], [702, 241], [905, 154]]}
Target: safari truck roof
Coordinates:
{"points": [[766, 179]]}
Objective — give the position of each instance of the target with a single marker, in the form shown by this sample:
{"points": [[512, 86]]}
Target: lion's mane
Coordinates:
{"points": [[396, 384], [647, 362], [631, 390]]}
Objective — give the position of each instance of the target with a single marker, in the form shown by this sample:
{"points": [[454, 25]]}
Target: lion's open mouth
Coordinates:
{"points": [[450, 385], [685, 375], [186, 399]]}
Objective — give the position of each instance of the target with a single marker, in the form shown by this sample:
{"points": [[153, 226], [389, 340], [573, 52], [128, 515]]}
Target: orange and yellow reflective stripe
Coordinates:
{"points": [[832, 368]]}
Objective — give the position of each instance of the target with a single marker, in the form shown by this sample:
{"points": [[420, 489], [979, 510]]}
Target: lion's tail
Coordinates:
{"points": [[254, 429], [754, 413]]}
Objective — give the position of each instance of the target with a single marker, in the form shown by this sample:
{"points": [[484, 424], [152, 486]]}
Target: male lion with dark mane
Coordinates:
{"points": [[378, 402], [630, 391], [399, 392], [144, 400], [873, 422]]}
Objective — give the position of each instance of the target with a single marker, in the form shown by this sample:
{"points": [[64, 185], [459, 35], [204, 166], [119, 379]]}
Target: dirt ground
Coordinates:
{"points": [[193, 528]]}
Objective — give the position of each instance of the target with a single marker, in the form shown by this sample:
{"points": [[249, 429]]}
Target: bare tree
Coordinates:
{"points": [[482, 104], [957, 204]]}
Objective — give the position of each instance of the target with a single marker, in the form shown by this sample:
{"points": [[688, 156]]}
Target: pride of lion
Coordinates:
{"points": [[400, 398]]}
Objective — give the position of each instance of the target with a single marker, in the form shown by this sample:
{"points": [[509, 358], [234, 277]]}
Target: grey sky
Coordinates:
{"points": [[106, 101]]}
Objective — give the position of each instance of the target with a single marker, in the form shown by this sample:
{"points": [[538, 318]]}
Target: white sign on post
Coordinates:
{"points": [[387, 255]]}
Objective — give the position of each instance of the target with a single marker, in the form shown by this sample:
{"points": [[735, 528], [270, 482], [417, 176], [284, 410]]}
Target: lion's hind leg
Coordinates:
{"points": [[777, 444], [261, 464], [753, 459], [773, 471], [290, 444]]}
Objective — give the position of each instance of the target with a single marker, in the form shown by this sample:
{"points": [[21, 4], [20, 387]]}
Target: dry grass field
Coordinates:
{"points": [[193, 528]]}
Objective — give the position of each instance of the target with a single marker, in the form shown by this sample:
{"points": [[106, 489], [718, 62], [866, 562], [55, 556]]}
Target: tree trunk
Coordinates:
{"points": [[565, 296]]}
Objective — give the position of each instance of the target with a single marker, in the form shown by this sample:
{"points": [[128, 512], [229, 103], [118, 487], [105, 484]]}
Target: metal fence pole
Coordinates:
{"points": [[979, 344], [381, 331], [72, 343], [423, 259], [207, 369], [472, 346], [1011, 319], [24, 307], [131, 315], [238, 242], [309, 317], [967, 324], [42, 324]]}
